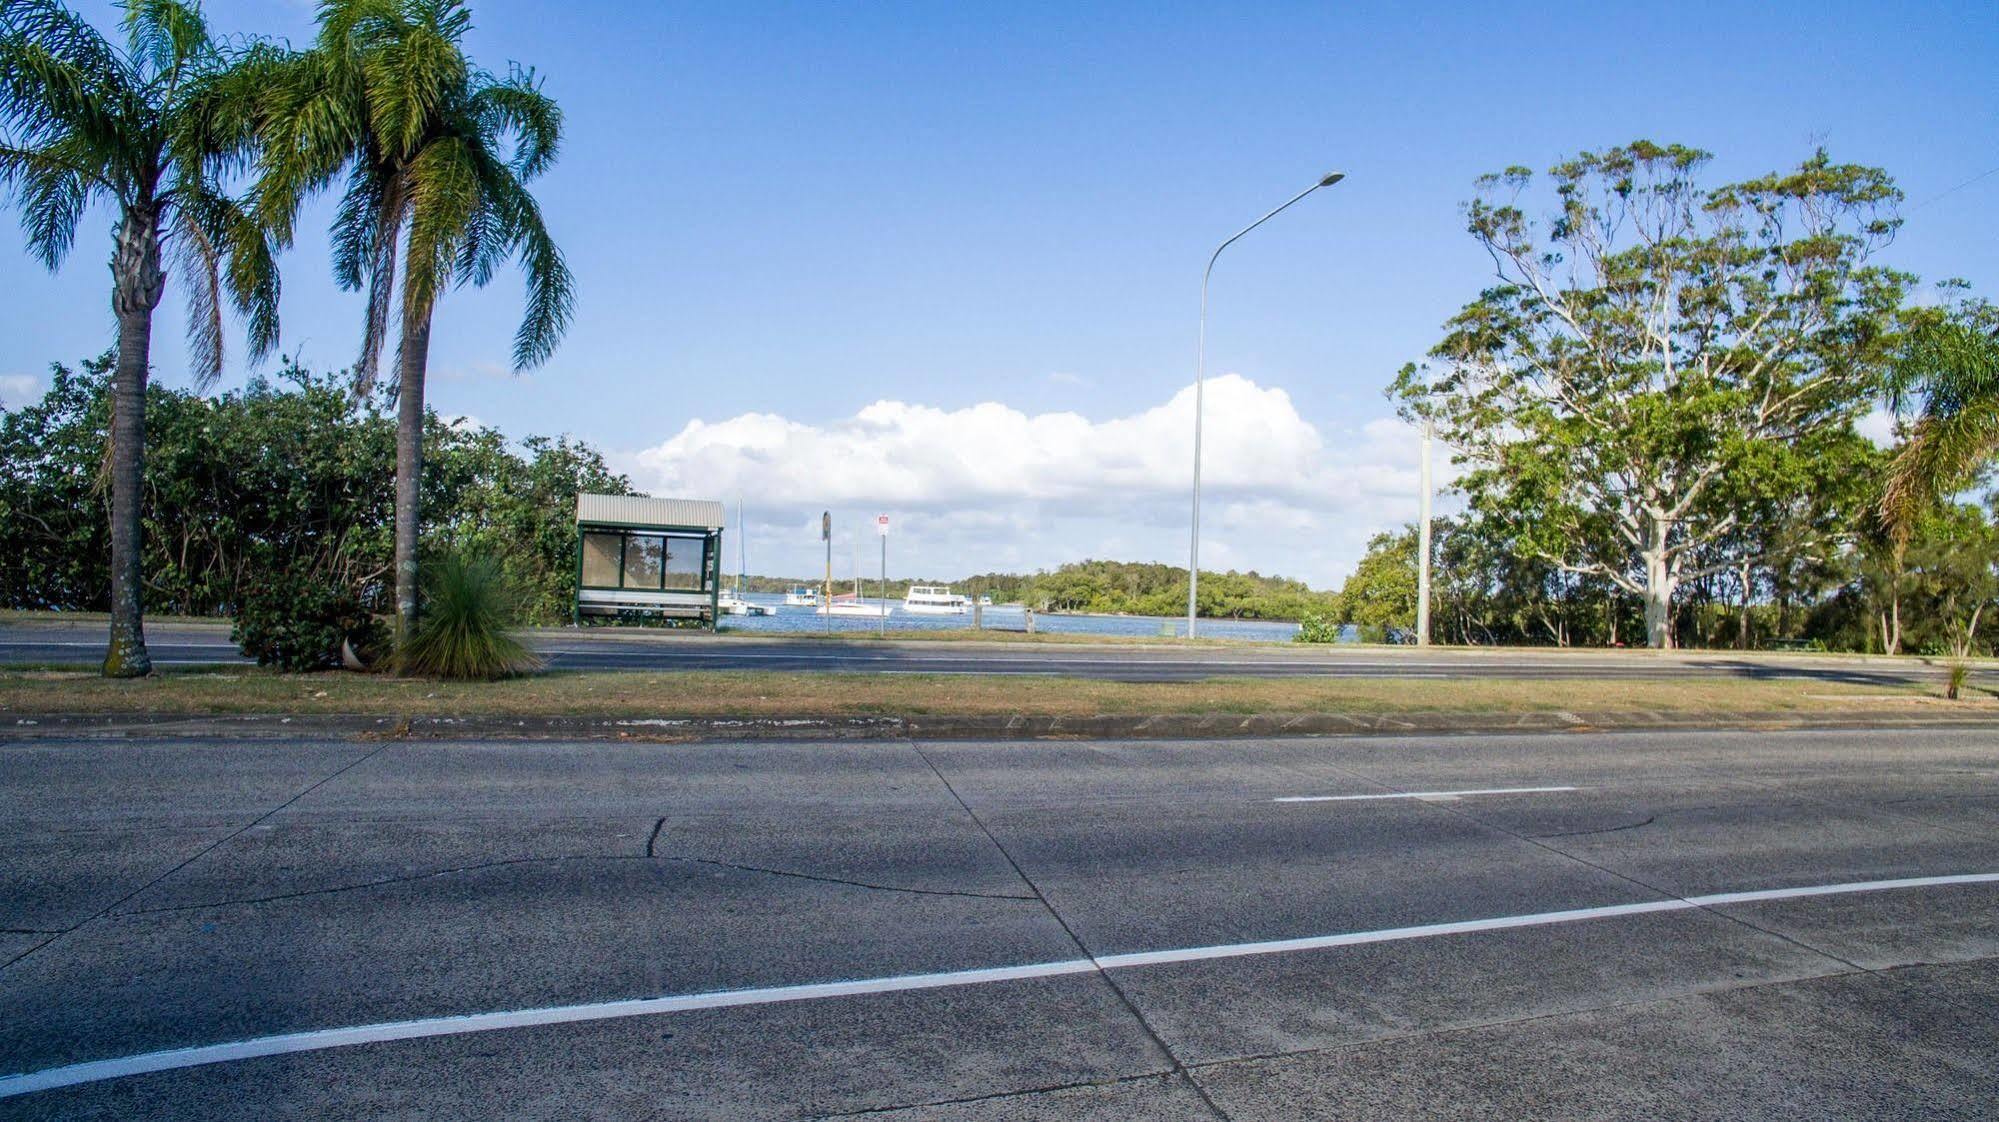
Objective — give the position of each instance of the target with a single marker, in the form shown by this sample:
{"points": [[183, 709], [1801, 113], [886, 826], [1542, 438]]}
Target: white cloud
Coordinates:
{"points": [[17, 390], [1877, 426], [989, 486]]}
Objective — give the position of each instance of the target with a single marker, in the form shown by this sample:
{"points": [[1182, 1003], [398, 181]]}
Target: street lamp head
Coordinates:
{"points": [[1332, 178]]}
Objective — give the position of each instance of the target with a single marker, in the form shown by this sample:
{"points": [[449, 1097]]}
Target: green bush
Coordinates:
{"points": [[1316, 628], [296, 621], [461, 628]]}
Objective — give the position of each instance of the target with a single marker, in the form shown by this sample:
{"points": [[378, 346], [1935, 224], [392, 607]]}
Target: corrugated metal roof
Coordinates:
{"points": [[642, 510]]}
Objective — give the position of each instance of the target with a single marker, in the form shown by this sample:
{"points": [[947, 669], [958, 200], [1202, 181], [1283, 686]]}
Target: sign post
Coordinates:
{"points": [[881, 527]]}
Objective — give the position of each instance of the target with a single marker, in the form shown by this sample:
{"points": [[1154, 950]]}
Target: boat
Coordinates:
{"points": [[934, 600], [986, 601], [731, 602], [802, 596], [850, 603]]}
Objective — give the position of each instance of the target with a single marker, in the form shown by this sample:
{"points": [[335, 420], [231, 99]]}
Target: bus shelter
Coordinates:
{"points": [[641, 558]]}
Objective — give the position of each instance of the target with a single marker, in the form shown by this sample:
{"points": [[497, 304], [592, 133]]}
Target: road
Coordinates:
{"points": [[182, 645], [1740, 925]]}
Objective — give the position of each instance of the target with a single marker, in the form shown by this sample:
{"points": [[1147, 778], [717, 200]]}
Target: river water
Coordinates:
{"points": [[1003, 617]]}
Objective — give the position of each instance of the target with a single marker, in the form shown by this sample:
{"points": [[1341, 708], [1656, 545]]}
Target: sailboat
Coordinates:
{"points": [[850, 603], [732, 602]]}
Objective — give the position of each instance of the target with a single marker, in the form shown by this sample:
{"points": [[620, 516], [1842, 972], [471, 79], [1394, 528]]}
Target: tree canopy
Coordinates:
{"points": [[1653, 348]]}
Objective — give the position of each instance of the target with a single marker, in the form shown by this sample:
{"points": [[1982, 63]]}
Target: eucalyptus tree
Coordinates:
{"points": [[1645, 340], [434, 156], [1948, 377], [143, 128]]}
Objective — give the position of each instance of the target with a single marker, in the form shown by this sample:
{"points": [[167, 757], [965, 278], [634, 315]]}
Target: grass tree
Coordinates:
{"points": [[433, 156], [142, 128]]}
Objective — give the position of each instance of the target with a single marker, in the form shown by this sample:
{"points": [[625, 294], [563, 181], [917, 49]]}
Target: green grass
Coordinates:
{"points": [[189, 691]]}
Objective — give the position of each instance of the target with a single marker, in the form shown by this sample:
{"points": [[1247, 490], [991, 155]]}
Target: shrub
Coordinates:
{"points": [[461, 628], [296, 621], [1316, 628]]}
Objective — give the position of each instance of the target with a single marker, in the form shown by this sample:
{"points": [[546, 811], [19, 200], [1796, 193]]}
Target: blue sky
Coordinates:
{"points": [[842, 237]]}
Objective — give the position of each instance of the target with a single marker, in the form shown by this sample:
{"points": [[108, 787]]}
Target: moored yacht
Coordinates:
{"points": [[802, 596]]}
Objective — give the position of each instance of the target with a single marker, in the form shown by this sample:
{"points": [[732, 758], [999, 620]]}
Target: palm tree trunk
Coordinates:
{"points": [[137, 284], [412, 360]]}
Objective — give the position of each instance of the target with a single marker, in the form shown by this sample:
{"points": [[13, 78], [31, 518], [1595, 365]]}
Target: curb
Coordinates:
{"points": [[1015, 727]]}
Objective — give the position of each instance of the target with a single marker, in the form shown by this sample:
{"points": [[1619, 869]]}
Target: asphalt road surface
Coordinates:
{"points": [[1714, 925], [182, 645]]}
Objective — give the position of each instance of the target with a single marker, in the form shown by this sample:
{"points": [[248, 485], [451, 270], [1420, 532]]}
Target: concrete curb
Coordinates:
{"points": [[1016, 727]]}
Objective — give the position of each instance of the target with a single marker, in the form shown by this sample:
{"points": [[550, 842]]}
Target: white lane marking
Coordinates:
{"points": [[1419, 795], [320, 1039]]}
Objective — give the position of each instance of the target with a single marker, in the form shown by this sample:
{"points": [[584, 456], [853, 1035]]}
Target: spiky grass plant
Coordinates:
{"points": [[462, 630], [1957, 672]]}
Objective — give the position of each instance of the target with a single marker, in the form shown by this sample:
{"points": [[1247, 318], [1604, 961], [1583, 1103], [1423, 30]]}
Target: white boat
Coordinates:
{"points": [[802, 597], [986, 601], [731, 603], [934, 600], [850, 603]]}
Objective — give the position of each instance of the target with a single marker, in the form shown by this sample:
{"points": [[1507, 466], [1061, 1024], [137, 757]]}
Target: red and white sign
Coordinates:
{"points": [[881, 524]]}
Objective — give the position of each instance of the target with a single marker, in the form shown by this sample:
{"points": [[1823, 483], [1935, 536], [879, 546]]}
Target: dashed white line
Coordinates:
{"points": [[318, 1040], [1419, 795]]}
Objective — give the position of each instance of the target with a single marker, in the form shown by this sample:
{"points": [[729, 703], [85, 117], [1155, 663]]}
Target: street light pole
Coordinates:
{"points": [[1200, 380], [1423, 542]]}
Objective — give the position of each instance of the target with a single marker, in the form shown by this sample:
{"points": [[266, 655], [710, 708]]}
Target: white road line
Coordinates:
{"points": [[1419, 795], [321, 1039]]}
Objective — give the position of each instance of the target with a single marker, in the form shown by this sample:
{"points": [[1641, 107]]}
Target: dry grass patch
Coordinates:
{"points": [[748, 693]]}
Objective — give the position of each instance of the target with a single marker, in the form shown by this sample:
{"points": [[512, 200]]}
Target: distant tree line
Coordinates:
{"points": [[286, 475], [1108, 588]]}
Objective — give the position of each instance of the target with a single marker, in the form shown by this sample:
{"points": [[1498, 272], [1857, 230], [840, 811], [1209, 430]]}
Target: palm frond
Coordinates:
{"points": [[392, 210], [199, 263], [249, 272], [517, 108], [1952, 367], [167, 34], [551, 290], [51, 195]]}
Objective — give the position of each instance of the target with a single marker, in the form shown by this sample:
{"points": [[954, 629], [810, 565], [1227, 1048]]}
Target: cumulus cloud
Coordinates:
{"points": [[1878, 426], [990, 486], [17, 390]]}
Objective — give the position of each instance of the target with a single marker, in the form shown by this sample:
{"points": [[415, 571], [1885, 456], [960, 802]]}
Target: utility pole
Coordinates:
{"points": [[826, 597], [1423, 542], [881, 524]]}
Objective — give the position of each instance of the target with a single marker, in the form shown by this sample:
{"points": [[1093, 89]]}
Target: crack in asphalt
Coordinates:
{"points": [[649, 856], [1600, 830], [218, 843], [1179, 1068], [996, 1096]]}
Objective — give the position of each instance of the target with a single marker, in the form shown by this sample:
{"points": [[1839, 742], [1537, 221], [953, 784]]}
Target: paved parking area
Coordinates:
{"points": [[1578, 925]]}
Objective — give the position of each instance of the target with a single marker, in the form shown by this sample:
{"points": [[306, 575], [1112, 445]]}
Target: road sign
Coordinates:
{"points": [[881, 524]]}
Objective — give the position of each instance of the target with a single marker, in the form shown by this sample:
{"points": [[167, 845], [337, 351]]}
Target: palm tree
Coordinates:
{"points": [[435, 155], [1952, 366], [145, 129]]}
